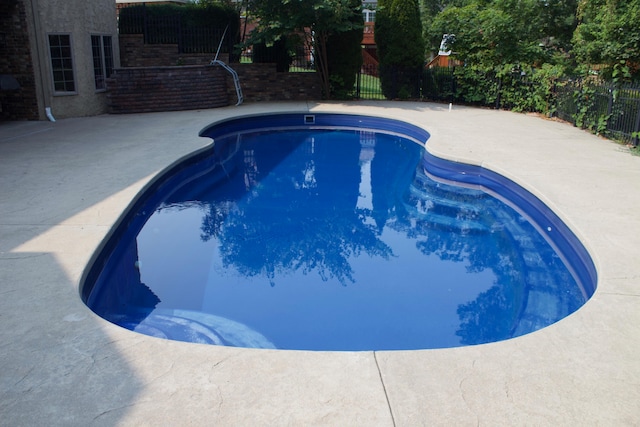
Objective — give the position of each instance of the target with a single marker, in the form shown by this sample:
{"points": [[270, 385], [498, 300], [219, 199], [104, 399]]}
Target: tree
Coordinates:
{"points": [[315, 21], [491, 34], [500, 41], [607, 35], [398, 35], [344, 56], [429, 9], [558, 22]]}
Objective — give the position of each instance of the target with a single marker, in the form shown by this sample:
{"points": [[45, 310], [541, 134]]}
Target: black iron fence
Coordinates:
{"points": [[171, 29], [401, 83], [439, 84], [513, 90], [604, 108], [368, 83], [162, 29], [287, 57]]}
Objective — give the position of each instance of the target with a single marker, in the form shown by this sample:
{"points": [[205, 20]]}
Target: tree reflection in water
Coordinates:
{"points": [[293, 215], [314, 203]]}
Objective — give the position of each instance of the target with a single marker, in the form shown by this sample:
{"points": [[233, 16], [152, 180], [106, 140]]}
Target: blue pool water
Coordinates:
{"points": [[335, 232]]}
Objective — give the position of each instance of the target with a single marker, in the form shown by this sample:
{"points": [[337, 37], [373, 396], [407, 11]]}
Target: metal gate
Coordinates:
{"points": [[368, 85]]}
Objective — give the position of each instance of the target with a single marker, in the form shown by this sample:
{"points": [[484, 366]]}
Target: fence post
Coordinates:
{"points": [[636, 129], [452, 72], [180, 43], [145, 25]]}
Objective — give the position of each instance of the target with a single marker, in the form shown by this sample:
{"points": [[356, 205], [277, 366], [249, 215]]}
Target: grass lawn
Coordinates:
{"points": [[370, 87]]}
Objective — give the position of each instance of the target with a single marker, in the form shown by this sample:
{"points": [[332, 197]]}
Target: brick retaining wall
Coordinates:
{"points": [[16, 61], [141, 90], [261, 82], [135, 53], [151, 81]]}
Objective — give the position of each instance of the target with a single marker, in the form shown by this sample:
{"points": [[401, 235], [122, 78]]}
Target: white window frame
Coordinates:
{"points": [[101, 63], [62, 66]]}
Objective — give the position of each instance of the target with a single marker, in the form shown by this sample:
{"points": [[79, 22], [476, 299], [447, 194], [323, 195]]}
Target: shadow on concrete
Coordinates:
{"points": [[63, 185]]}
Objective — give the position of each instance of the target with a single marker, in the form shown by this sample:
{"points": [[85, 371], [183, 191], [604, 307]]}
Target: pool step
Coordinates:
{"points": [[445, 207], [447, 195], [194, 326], [544, 304]]}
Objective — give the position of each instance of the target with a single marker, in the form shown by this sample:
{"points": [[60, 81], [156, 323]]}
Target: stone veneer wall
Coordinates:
{"points": [[16, 60], [148, 89]]}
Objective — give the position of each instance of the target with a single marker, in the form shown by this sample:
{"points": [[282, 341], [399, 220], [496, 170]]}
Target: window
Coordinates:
{"points": [[61, 63], [369, 15], [102, 60]]}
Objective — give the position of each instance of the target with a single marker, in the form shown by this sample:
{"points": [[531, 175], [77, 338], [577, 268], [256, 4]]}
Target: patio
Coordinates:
{"points": [[64, 184]]}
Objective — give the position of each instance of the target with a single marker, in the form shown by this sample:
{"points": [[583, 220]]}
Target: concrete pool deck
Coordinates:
{"points": [[64, 184]]}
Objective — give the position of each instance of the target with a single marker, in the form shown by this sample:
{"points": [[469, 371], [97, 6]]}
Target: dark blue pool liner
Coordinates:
{"points": [[539, 213]]}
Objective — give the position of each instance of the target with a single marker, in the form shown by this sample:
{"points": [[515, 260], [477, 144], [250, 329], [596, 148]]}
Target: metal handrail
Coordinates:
{"points": [[236, 79]]}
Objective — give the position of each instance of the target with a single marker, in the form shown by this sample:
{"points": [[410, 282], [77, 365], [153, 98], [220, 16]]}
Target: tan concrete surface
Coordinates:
{"points": [[64, 184]]}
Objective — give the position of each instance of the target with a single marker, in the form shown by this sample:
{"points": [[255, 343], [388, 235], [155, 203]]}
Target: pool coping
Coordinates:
{"points": [[62, 365]]}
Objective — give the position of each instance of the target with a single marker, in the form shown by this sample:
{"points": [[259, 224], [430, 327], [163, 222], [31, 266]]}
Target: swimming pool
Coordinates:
{"points": [[335, 232]]}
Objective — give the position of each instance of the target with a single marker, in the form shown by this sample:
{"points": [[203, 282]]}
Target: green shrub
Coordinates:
{"points": [[398, 35], [278, 52], [476, 86], [344, 57]]}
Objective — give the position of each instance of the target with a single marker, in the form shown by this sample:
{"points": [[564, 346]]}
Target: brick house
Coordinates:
{"points": [[369, 49], [55, 56]]}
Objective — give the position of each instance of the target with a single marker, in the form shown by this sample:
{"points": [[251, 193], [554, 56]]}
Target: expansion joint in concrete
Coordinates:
{"points": [[384, 388]]}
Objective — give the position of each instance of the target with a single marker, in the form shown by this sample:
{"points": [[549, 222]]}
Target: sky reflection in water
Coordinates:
{"points": [[334, 240]]}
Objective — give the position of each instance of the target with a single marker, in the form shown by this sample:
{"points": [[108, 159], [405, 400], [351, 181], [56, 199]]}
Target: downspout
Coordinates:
{"points": [[49, 114], [41, 64]]}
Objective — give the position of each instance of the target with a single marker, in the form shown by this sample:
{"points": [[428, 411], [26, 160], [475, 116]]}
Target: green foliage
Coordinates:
{"points": [[475, 85], [315, 20], [599, 108], [398, 37], [152, 10], [602, 124], [406, 44], [429, 9], [607, 34], [345, 60], [278, 51], [517, 55], [587, 116], [513, 86], [384, 28], [344, 56], [558, 19], [213, 14], [439, 84], [528, 89], [493, 33], [635, 147]]}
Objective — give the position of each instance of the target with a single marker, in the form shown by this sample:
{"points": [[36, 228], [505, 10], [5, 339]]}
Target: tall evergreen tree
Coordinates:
{"points": [[398, 35], [344, 55]]}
